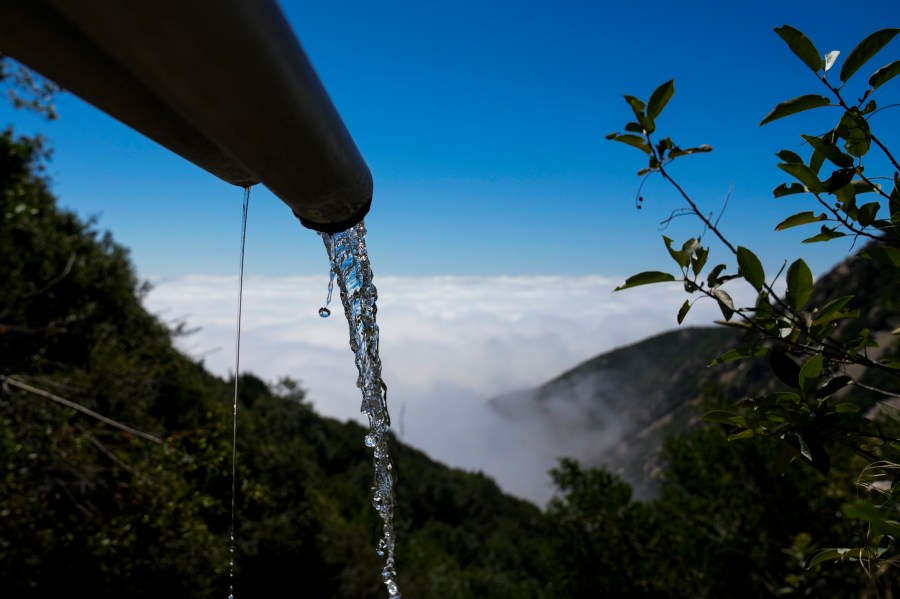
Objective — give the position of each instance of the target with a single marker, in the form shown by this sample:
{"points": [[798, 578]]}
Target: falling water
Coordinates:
{"points": [[350, 263]]}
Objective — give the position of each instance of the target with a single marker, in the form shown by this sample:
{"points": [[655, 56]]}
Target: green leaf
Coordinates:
{"points": [[634, 128], [741, 353], [786, 190], [825, 234], [804, 174], [885, 254], [831, 554], [726, 304], [632, 140], [750, 267], [846, 408], [811, 372], [745, 434], [833, 306], [862, 509], [789, 156], [682, 312], [866, 50], [854, 129], [799, 284], [713, 278], [698, 259], [637, 106], [646, 278], [795, 105], [681, 257], [801, 218], [802, 47], [884, 74], [867, 212], [659, 98], [720, 417], [829, 150]]}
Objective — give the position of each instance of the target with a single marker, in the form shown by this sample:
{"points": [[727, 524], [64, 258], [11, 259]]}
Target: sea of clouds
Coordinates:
{"points": [[448, 344]]}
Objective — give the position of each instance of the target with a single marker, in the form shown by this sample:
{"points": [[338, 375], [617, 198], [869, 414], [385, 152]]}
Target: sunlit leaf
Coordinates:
{"points": [[830, 58], [713, 277], [726, 304], [659, 98], [834, 305], [810, 372], [646, 278], [698, 260], [799, 284], [750, 267], [801, 46], [745, 434], [884, 74], [866, 50], [801, 218], [795, 105]]}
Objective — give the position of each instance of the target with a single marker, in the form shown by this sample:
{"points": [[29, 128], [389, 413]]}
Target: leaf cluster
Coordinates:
{"points": [[818, 353]]}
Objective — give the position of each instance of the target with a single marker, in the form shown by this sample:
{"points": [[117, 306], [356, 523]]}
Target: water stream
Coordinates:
{"points": [[350, 265]]}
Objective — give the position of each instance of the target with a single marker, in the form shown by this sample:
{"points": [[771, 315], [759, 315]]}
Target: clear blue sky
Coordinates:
{"points": [[483, 124]]}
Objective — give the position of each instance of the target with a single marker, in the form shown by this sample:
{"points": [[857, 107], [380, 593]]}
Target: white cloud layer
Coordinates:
{"points": [[447, 345]]}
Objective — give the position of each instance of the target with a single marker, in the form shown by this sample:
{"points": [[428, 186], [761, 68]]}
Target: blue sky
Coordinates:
{"points": [[502, 219], [483, 124]]}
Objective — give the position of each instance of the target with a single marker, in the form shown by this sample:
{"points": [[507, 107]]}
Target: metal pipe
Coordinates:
{"points": [[225, 85]]}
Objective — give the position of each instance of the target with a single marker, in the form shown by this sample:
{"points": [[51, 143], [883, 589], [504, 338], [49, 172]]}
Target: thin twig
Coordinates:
{"points": [[6, 380]]}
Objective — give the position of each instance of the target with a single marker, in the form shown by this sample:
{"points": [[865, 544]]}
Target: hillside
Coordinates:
{"points": [[117, 451]]}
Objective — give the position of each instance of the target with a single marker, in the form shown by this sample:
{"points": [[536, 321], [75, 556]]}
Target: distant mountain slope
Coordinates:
{"points": [[621, 403], [615, 409]]}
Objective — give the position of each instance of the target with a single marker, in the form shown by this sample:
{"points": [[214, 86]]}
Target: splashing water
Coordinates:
{"points": [[350, 262]]}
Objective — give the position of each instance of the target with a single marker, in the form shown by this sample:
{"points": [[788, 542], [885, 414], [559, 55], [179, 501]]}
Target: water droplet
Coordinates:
{"points": [[324, 312], [370, 441]]}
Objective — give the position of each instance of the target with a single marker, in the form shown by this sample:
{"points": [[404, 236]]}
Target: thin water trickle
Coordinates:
{"points": [[349, 260], [237, 369]]}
